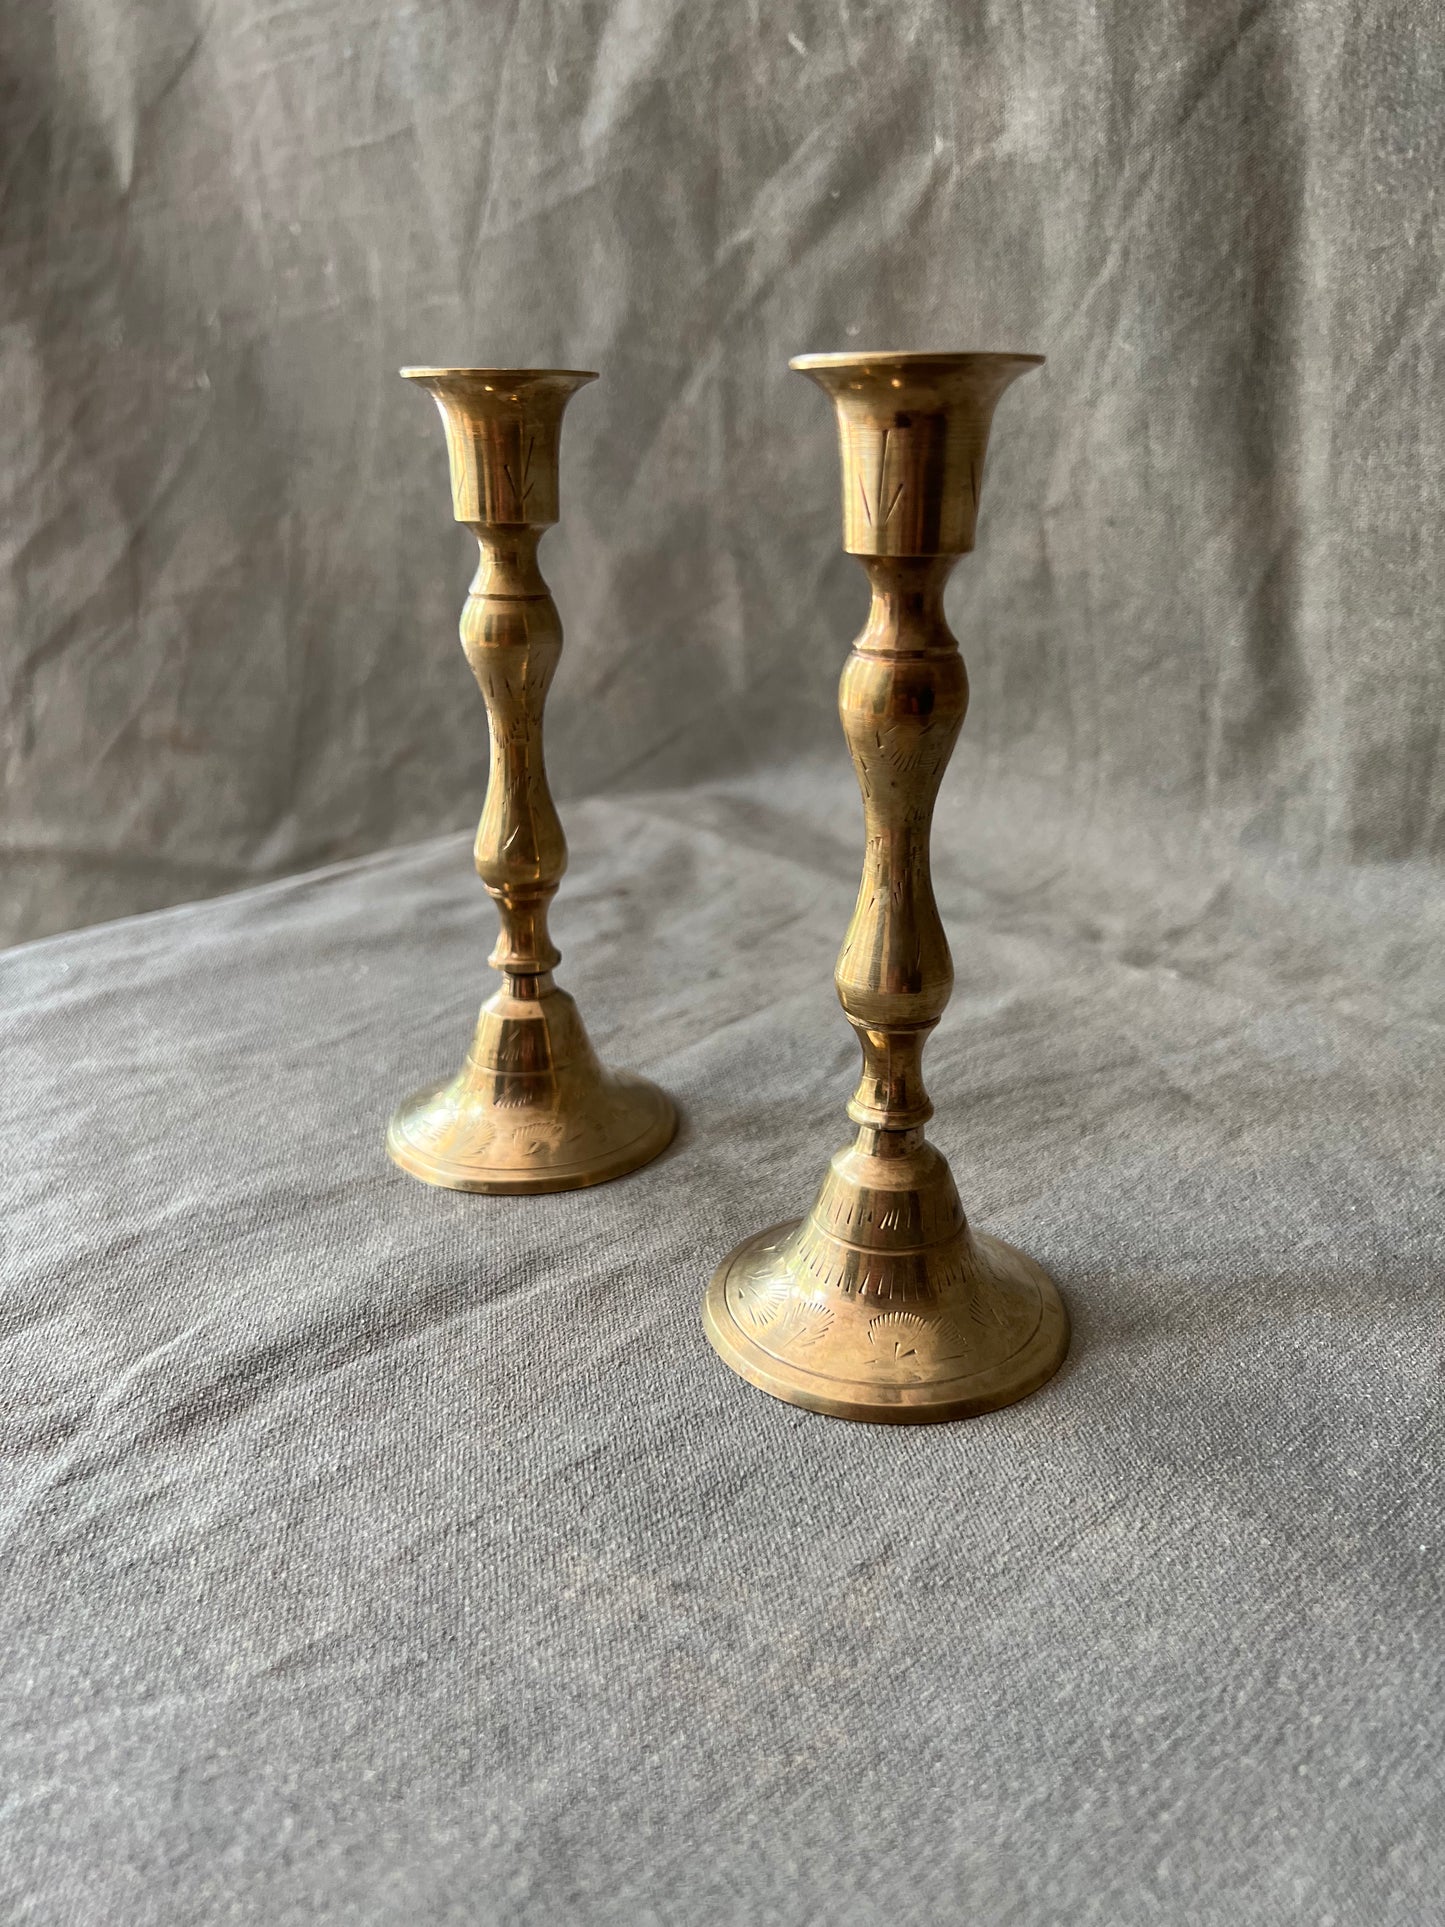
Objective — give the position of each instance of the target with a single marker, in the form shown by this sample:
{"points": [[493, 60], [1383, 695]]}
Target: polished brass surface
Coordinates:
{"points": [[883, 1303], [531, 1108]]}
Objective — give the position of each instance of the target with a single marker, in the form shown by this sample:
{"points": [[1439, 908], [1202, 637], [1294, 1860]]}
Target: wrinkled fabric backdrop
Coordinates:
{"points": [[374, 1554], [1208, 585]]}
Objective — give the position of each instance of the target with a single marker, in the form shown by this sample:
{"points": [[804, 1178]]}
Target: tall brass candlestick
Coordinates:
{"points": [[531, 1108], [883, 1303]]}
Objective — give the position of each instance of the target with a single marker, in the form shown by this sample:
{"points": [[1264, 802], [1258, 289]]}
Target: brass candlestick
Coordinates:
{"points": [[882, 1304], [531, 1108]]}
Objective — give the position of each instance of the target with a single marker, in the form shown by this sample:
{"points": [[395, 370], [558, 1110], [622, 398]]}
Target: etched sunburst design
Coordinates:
{"points": [[802, 1324], [437, 1127], [520, 477], [507, 1099], [879, 507], [761, 1299], [983, 1309], [894, 1336], [951, 1341], [898, 1338], [912, 746], [994, 1300]]}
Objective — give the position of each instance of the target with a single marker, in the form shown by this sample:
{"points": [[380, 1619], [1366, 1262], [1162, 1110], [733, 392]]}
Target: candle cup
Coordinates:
{"points": [[531, 1108], [883, 1304]]}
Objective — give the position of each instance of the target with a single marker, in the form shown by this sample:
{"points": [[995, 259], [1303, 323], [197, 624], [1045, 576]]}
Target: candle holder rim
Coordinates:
{"points": [[514, 375], [914, 358]]}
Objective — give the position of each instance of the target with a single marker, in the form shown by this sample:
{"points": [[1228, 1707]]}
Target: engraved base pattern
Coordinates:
{"points": [[531, 1108], [994, 1331]]}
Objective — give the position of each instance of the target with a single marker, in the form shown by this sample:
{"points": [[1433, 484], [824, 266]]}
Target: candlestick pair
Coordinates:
{"points": [[882, 1303]]}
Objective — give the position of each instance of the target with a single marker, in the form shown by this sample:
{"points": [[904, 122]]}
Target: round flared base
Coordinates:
{"points": [[981, 1341], [448, 1135]]}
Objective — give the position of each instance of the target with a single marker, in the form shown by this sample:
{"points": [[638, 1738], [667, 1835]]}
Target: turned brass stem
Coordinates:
{"points": [[902, 700], [512, 636]]}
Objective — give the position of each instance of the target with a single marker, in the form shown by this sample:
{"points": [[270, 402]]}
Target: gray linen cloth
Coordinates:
{"points": [[1209, 568], [376, 1554]]}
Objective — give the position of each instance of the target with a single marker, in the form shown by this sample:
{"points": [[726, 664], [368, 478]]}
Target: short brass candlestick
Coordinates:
{"points": [[882, 1303], [531, 1108]]}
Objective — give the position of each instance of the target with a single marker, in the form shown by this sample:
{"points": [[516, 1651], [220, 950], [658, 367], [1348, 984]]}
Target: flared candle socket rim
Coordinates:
{"points": [[503, 377], [945, 359]]}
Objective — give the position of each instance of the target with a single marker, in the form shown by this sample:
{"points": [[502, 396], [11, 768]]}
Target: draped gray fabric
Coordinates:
{"points": [[1209, 580], [375, 1554], [378, 1555]]}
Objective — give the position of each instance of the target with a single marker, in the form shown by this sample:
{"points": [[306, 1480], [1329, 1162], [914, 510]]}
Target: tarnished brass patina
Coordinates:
{"points": [[883, 1303], [531, 1108]]}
